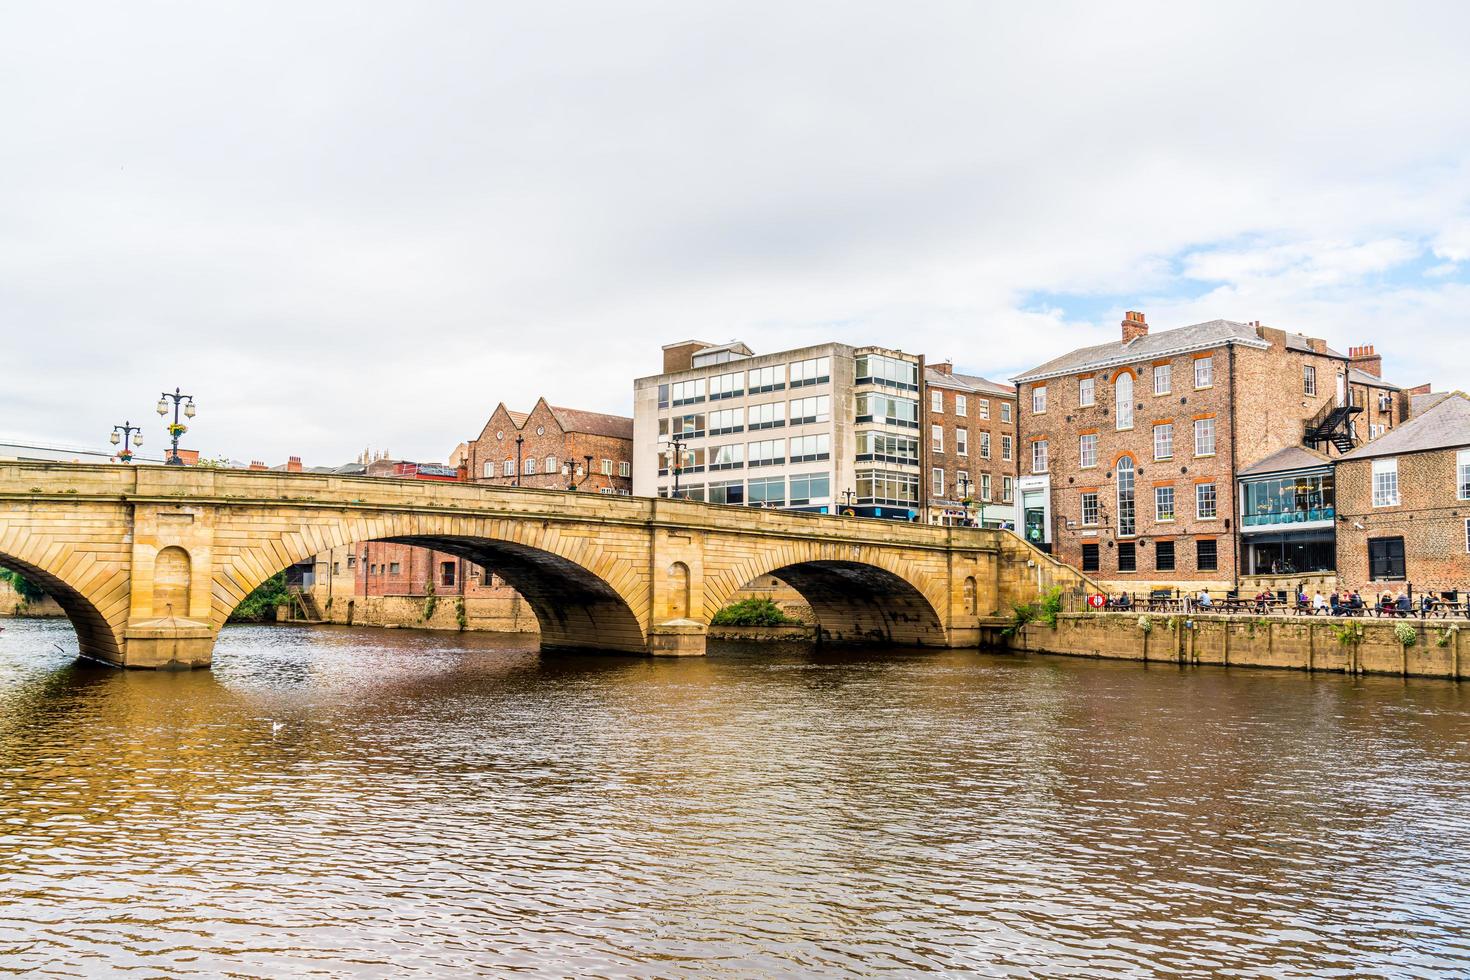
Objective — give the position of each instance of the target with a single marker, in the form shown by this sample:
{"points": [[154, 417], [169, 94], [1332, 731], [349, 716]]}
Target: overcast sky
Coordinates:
{"points": [[361, 224]]}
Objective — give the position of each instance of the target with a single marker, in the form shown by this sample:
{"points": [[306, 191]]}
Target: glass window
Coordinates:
{"points": [[1204, 437], [1123, 400], [1462, 461], [625, 468], [688, 392], [985, 445], [731, 457], [874, 406], [771, 378], [1007, 489], [984, 408], [1086, 392], [1038, 400], [767, 452], [936, 401], [769, 491], [1204, 372], [893, 372], [878, 486], [1164, 556], [936, 438], [688, 426], [1089, 509], [1090, 561], [1289, 499], [1005, 448], [808, 448], [816, 408], [1386, 558], [1206, 555], [727, 385], [771, 415], [812, 371], [1127, 517], [1309, 379], [960, 405], [1087, 450], [962, 442], [509, 468], [1162, 376], [1164, 440], [984, 486], [1163, 503], [1386, 482], [663, 396], [1127, 556], [489, 467], [1205, 502], [550, 465], [731, 492], [1038, 456], [936, 478], [726, 420], [809, 487], [1005, 412]]}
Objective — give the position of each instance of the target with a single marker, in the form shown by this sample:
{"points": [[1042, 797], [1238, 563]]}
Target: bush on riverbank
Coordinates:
{"points": [[753, 612], [260, 605], [28, 591]]}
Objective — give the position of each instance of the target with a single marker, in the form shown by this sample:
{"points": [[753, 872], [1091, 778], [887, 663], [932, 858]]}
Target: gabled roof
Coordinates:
{"points": [[967, 382], [1286, 460], [1419, 404], [1444, 426], [1195, 337], [593, 423]]}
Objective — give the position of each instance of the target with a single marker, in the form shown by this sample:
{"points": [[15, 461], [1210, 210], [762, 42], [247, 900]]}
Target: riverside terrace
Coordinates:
{"points": [[1403, 604]]}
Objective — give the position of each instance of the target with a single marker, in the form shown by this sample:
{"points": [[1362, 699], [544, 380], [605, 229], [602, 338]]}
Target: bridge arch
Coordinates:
{"points": [[585, 594], [857, 594], [99, 635]]}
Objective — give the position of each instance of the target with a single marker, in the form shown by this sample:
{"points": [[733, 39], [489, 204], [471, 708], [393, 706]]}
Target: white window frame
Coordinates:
{"points": [[1165, 451], [936, 438], [1309, 380], [1163, 373], [962, 441], [960, 405], [1199, 489], [1123, 407], [1087, 451], [1386, 482], [1038, 400], [1159, 494], [1086, 392], [936, 401], [1204, 437], [1096, 517], [1462, 474], [1208, 363], [1040, 456], [936, 481]]}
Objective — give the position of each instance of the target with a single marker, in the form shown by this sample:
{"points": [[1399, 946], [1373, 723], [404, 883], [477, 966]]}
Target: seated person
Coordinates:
{"points": [[1334, 603], [1205, 602]]}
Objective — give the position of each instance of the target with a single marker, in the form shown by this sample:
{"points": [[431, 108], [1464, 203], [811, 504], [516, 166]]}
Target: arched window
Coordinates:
{"points": [[1127, 511], [1123, 399]]}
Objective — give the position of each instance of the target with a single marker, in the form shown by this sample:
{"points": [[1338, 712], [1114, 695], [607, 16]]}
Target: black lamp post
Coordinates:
{"points": [[965, 497], [676, 452], [122, 434], [573, 472], [176, 428], [519, 440], [848, 497]]}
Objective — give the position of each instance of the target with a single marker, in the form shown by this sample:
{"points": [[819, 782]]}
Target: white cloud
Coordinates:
{"points": [[360, 223]]}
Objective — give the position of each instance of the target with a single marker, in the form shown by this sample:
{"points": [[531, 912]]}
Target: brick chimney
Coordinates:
{"points": [[942, 367], [1134, 326], [1424, 389], [1366, 359], [256, 464], [293, 464]]}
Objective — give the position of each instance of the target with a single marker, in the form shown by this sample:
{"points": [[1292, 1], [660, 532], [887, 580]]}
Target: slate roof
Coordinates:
{"points": [[1444, 426], [1361, 377], [1286, 460], [1197, 336], [968, 382], [593, 423], [1419, 404]]}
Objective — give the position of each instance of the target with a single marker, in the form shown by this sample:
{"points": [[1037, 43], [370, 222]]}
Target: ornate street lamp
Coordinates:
{"points": [[965, 500], [129, 435], [176, 428], [573, 472], [848, 497], [675, 456]]}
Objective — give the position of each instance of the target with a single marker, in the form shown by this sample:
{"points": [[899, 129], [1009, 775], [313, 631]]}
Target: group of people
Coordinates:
{"points": [[1352, 603]]}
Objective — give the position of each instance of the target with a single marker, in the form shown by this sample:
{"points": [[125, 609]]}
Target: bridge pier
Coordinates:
{"points": [[168, 644], [677, 638]]}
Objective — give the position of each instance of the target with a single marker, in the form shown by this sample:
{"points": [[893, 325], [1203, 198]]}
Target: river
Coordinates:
{"points": [[355, 802]]}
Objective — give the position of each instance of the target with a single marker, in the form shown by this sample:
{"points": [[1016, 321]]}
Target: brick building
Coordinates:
{"points": [[533, 449], [969, 439], [1130, 450], [1404, 504]]}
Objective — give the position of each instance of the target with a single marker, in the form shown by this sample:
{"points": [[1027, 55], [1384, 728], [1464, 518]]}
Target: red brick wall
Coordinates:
{"points": [[1429, 517], [551, 441], [973, 463]]}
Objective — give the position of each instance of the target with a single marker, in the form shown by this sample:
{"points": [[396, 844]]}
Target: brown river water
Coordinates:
{"points": [[350, 802]]}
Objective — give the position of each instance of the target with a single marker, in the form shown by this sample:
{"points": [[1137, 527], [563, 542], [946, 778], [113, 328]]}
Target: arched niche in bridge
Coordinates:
{"points": [[95, 636], [970, 596], [856, 602], [678, 590], [171, 572]]}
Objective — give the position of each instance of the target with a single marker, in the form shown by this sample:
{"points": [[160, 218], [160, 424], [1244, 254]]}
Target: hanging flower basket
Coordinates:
{"points": [[125, 455], [176, 429]]}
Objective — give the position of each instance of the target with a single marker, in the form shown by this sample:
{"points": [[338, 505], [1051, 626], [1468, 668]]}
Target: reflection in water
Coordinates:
{"points": [[397, 803]]}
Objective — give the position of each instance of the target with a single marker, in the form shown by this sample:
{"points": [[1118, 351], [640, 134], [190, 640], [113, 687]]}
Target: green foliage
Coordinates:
{"points": [[1405, 634], [1049, 606], [753, 612], [1145, 624], [1348, 634], [260, 605], [28, 591], [1021, 614], [460, 616], [431, 600], [1446, 636]]}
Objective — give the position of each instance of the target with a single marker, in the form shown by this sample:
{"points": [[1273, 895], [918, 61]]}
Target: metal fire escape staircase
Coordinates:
{"points": [[1333, 426]]}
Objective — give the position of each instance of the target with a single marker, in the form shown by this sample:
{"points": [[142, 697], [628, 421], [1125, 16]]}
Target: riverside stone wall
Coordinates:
{"points": [[1441, 648]]}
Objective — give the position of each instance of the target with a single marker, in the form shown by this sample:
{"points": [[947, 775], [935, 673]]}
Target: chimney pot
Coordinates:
{"points": [[1134, 326]]}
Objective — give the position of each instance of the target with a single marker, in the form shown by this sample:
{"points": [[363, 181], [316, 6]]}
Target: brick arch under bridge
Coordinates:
{"points": [[150, 561]]}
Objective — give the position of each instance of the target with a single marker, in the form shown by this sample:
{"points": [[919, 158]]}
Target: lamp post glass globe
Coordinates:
{"points": [[138, 439], [189, 409], [162, 407], [115, 437]]}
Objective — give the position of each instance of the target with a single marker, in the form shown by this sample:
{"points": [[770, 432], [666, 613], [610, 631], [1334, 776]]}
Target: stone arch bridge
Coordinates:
{"points": [[149, 561]]}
